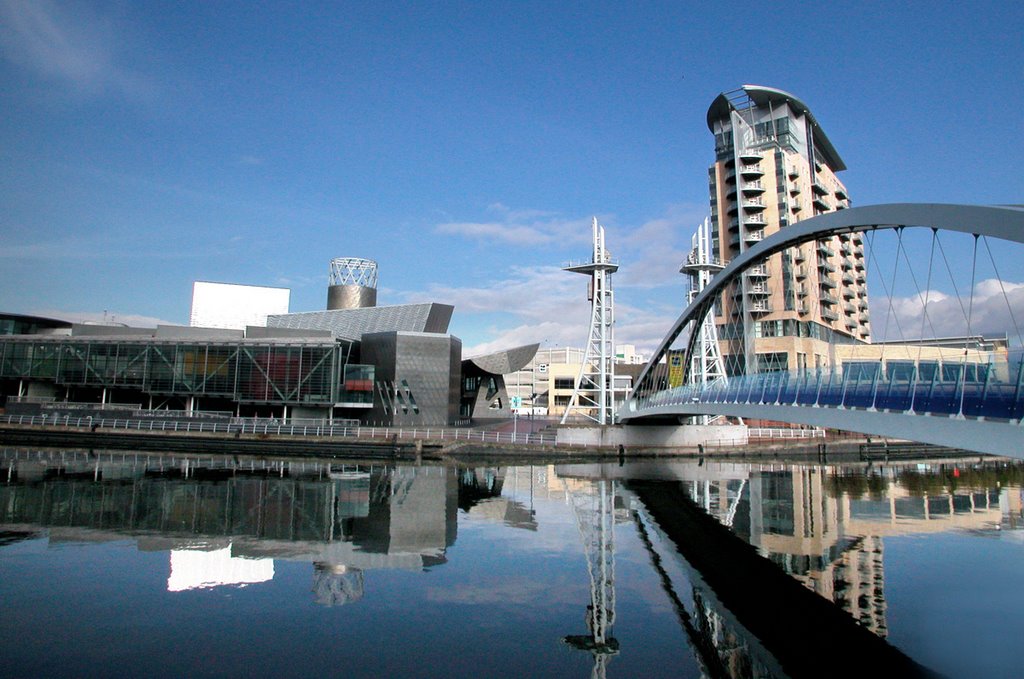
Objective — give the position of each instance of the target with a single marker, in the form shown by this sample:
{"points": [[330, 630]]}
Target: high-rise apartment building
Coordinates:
{"points": [[774, 166]]}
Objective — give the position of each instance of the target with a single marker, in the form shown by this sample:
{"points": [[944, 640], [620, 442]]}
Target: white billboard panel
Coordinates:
{"points": [[226, 305]]}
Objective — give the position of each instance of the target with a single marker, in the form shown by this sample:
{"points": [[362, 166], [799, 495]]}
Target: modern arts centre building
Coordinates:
{"points": [[389, 365]]}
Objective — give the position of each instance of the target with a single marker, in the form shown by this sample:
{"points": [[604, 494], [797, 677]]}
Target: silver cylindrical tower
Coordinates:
{"points": [[353, 283]]}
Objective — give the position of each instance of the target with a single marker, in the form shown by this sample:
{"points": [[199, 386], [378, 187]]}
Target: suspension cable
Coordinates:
{"points": [[970, 313], [927, 294], [1006, 297], [952, 279]]}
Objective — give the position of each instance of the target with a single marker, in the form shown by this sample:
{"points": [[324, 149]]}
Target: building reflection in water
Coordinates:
{"points": [[224, 522], [824, 525]]}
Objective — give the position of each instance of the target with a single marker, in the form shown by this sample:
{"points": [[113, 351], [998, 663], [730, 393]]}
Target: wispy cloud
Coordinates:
{"points": [[520, 227], [103, 247], [69, 44], [545, 304]]}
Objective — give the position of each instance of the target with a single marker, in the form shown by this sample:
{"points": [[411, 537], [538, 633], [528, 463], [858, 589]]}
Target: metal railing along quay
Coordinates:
{"points": [[277, 428]]}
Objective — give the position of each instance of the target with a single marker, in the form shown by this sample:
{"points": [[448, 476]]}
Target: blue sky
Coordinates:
{"points": [[464, 146]]}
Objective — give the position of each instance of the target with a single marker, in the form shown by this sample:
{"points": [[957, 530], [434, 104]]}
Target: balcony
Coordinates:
{"points": [[851, 323], [824, 249], [825, 265], [796, 206], [858, 264], [829, 314], [795, 190], [864, 318], [799, 256], [819, 188], [827, 282], [793, 172], [847, 278], [754, 236], [760, 307], [759, 271], [752, 188], [800, 272], [749, 171], [803, 308], [750, 156], [820, 202], [846, 264], [757, 289], [863, 305], [734, 225], [850, 309], [753, 204], [841, 193], [826, 298], [801, 291], [860, 277], [756, 219], [849, 293]]}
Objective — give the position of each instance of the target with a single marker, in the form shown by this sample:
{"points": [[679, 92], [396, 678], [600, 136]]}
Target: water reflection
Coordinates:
{"points": [[819, 528], [822, 525], [224, 522]]}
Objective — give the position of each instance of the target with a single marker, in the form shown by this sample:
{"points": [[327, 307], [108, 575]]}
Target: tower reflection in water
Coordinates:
{"points": [[823, 525]]}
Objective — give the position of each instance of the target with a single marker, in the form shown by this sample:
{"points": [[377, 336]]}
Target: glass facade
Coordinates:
{"points": [[254, 372]]}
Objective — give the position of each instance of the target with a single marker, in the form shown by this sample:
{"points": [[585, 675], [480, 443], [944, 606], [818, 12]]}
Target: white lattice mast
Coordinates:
{"points": [[706, 364], [593, 394], [594, 511]]}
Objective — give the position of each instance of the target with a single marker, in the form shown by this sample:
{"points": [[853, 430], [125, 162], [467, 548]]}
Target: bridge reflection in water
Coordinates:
{"points": [[783, 565], [760, 562]]}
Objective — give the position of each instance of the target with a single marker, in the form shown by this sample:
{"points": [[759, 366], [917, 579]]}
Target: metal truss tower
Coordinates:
{"points": [[706, 363], [594, 510], [593, 394]]}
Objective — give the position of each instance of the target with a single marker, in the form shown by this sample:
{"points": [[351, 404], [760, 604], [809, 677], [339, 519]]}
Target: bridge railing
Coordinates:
{"points": [[986, 397]]}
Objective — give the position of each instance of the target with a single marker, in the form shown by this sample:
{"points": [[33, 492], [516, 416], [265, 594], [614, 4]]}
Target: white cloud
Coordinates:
{"points": [[947, 315], [71, 45]]}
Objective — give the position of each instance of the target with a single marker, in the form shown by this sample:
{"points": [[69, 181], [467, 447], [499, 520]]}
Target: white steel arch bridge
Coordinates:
{"points": [[981, 413]]}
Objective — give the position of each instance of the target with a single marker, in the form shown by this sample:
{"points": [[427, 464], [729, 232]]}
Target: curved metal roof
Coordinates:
{"points": [[38, 320], [762, 96], [507, 361]]}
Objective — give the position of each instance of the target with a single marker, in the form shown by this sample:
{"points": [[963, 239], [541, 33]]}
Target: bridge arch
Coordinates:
{"points": [[1000, 222]]}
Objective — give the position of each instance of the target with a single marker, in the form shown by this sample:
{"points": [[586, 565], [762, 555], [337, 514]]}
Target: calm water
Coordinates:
{"points": [[157, 565]]}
